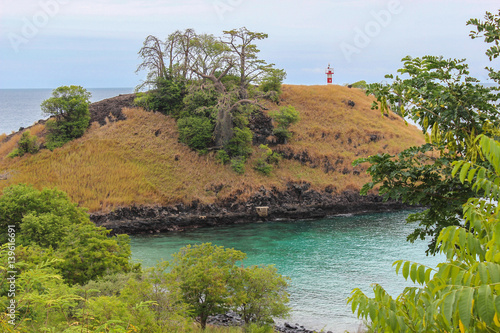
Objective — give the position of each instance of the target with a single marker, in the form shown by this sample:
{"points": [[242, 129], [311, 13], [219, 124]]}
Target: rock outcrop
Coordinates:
{"points": [[298, 201]]}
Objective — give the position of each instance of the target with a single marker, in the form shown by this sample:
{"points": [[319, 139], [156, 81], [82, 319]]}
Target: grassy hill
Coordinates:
{"points": [[139, 161]]}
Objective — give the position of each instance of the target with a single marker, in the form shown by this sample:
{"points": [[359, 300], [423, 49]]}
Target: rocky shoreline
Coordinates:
{"points": [[298, 201], [232, 319]]}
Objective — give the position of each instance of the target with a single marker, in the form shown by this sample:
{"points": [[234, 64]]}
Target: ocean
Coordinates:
{"points": [[21, 107]]}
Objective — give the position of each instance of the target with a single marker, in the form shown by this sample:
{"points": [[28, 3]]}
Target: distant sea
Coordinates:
{"points": [[21, 107]]}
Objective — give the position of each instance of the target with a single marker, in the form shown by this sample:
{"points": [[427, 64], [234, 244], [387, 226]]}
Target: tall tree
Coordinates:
{"points": [[152, 52], [184, 48], [452, 108], [211, 59], [249, 66]]}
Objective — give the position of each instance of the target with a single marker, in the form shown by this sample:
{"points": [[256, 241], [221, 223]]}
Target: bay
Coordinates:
{"points": [[325, 259], [21, 107]]}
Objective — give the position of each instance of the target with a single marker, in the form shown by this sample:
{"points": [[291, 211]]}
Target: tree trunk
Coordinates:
{"points": [[224, 128]]}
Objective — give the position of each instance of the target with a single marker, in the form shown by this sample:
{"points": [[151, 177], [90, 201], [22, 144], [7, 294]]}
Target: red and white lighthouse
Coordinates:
{"points": [[329, 73]]}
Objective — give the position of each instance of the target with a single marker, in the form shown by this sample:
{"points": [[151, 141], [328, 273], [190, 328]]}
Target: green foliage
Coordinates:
{"points": [[201, 273], [463, 293], [166, 96], [268, 157], [238, 164], [241, 142], [272, 81], [284, 118], [88, 253], [48, 219], [489, 29], [210, 282], [261, 294], [196, 132], [201, 102], [222, 156], [27, 145], [255, 328], [20, 202], [70, 107], [451, 109], [359, 84]]}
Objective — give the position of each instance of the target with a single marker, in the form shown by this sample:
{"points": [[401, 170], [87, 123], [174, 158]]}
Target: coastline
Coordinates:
{"points": [[297, 202]]}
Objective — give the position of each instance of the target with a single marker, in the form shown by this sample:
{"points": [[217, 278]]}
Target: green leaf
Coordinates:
{"points": [[465, 297], [448, 306], [463, 172], [485, 305], [406, 269]]}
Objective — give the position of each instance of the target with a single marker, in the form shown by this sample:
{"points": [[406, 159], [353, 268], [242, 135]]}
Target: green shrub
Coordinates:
{"points": [[48, 219], [360, 84], [165, 98], [241, 142], [70, 107], [263, 167], [222, 156], [196, 132], [272, 82], [254, 328], [201, 102], [268, 157], [27, 145], [284, 118], [238, 164], [211, 280]]}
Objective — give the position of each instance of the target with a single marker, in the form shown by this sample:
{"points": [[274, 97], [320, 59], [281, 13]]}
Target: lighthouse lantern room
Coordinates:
{"points": [[329, 73]]}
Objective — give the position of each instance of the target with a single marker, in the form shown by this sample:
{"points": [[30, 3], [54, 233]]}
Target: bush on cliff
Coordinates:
{"points": [[27, 145], [70, 107]]}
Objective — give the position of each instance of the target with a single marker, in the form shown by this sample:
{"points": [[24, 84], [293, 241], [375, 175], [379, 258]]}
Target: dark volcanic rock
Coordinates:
{"points": [[232, 319], [262, 128], [298, 201], [110, 108]]}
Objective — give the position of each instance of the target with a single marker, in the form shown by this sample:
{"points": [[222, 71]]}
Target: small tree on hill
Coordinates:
{"points": [[70, 107], [284, 118], [27, 145]]}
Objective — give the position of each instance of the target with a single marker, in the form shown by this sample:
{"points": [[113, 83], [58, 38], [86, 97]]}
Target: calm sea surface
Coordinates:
{"points": [[325, 259], [21, 107]]}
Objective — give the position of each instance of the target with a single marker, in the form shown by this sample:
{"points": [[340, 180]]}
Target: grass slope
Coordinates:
{"points": [[139, 161]]}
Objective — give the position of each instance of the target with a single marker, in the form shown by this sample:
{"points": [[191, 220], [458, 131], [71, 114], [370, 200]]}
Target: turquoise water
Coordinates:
{"points": [[325, 259]]}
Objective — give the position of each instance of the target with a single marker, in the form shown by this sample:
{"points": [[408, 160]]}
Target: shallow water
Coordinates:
{"points": [[325, 259]]}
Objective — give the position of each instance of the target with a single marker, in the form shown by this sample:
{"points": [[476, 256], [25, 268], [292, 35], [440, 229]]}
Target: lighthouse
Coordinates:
{"points": [[329, 73]]}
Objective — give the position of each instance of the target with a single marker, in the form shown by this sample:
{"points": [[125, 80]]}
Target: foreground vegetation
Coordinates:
{"points": [[460, 182], [60, 273]]}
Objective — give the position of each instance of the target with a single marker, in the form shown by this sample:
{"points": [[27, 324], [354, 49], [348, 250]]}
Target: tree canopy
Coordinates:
{"points": [[452, 108], [209, 86], [462, 293], [70, 107]]}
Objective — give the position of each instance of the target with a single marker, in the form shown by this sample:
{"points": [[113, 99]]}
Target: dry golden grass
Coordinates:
{"points": [[139, 161]]}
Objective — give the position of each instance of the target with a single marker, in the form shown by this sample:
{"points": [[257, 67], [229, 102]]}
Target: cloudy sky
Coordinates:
{"points": [[94, 43]]}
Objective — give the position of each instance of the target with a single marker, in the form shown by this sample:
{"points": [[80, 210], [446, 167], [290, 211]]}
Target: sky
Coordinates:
{"points": [[94, 43]]}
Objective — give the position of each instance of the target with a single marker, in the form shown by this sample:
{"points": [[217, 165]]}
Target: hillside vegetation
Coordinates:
{"points": [[139, 161]]}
